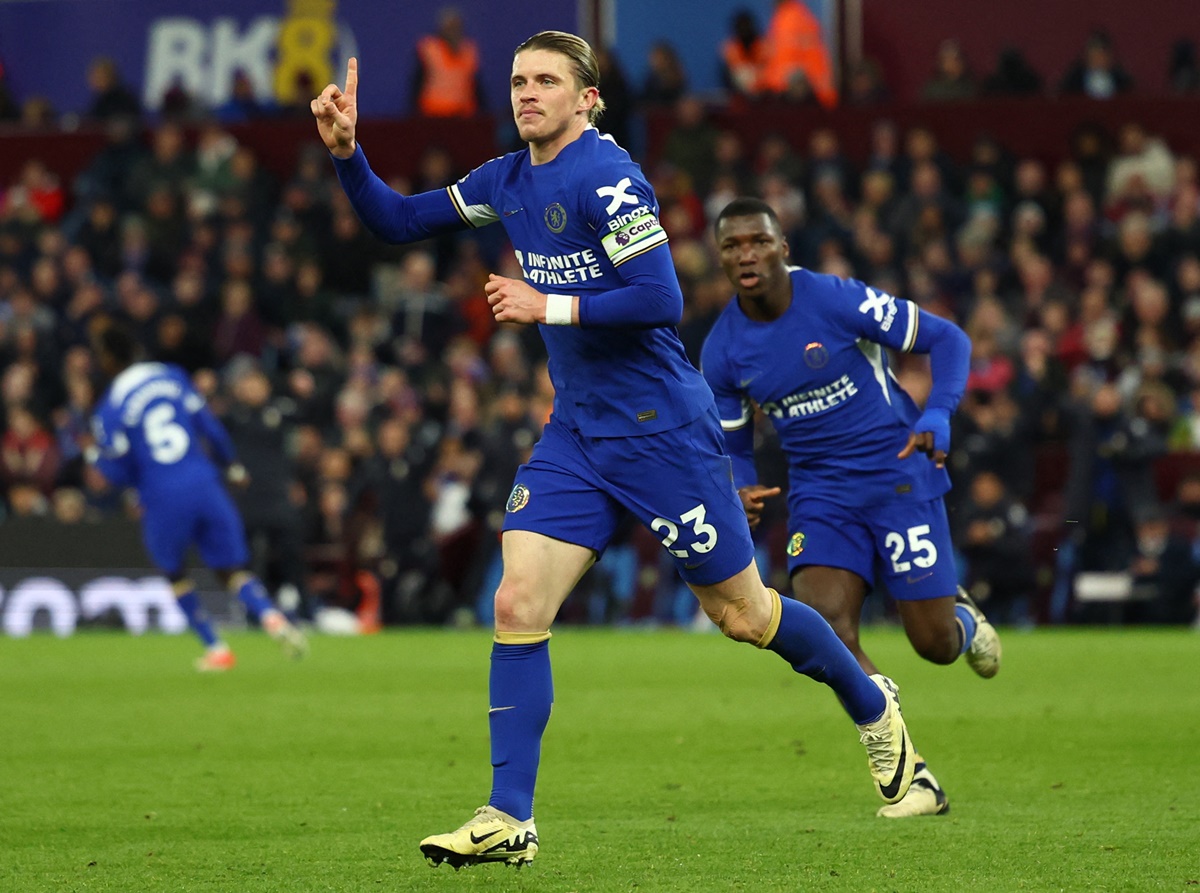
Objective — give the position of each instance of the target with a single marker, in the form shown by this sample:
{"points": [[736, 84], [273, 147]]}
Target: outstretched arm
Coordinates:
{"points": [[108, 452], [949, 351], [389, 215], [216, 435]]}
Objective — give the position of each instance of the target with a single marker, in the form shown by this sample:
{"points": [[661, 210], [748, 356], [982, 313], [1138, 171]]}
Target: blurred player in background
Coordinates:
{"points": [[807, 349], [633, 426], [149, 430]]}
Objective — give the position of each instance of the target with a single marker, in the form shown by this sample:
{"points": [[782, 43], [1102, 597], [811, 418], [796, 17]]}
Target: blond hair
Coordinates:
{"points": [[582, 56]]}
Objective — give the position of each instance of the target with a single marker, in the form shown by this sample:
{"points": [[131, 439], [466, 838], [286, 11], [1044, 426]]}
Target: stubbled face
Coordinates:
{"points": [[545, 95], [753, 253]]}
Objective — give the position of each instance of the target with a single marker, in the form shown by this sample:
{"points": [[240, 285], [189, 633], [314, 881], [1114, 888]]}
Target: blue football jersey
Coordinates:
{"points": [[572, 223], [821, 375], [149, 427]]}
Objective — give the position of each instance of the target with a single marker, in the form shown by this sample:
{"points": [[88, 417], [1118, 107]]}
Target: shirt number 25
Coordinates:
{"points": [[921, 550]]}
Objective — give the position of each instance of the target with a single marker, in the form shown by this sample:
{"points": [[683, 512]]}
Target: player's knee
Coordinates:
{"points": [[736, 620], [182, 586], [235, 580], [937, 644], [516, 607], [835, 610]]}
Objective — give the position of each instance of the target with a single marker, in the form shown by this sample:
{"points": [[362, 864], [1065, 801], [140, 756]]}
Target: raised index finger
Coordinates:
{"points": [[352, 78]]}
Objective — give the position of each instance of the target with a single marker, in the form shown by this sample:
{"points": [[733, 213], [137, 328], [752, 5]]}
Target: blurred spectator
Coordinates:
{"points": [[261, 427], [178, 104], [990, 435], [886, 154], [243, 103], [1165, 573], [1143, 165], [1111, 476], [393, 477], [38, 113], [865, 84], [618, 97], [171, 164], [105, 176], [929, 210], [239, 329], [776, 156], [37, 196], [448, 487], [690, 147], [215, 148], [1183, 71], [665, 81], [349, 255], [29, 455], [315, 377], [446, 83], [994, 533], [826, 160], [798, 62], [9, 109], [165, 231], [743, 56], [729, 155], [921, 146], [1096, 74], [110, 97], [69, 505], [1013, 75], [952, 79]]}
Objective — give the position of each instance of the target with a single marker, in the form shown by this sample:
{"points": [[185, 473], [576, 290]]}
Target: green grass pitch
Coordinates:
{"points": [[673, 762]]}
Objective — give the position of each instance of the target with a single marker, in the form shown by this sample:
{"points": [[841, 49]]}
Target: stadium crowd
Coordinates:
{"points": [[381, 412]]}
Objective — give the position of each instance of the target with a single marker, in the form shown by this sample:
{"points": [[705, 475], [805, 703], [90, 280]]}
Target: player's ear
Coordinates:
{"points": [[787, 249], [588, 99]]}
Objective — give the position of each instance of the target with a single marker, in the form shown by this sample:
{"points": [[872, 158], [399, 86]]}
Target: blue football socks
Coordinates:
{"points": [[967, 621], [521, 692], [811, 646], [197, 618], [254, 596]]}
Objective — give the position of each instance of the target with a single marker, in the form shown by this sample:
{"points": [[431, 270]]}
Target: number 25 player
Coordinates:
{"points": [[807, 349]]}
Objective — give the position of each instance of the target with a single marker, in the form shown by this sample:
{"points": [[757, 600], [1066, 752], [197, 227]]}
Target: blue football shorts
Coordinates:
{"points": [[904, 544], [204, 515], [679, 483]]}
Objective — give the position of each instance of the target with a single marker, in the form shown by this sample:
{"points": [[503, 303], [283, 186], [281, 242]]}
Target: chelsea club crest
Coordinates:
{"points": [[518, 499], [796, 544], [815, 355], [556, 218]]}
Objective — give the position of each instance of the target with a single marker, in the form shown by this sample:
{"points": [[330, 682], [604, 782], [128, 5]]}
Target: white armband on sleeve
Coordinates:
{"points": [[558, 309]]}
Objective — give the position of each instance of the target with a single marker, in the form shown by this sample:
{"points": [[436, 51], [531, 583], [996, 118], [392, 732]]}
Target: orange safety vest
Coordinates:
{"points": [[449, 88], [745, 65], [795, 43]]}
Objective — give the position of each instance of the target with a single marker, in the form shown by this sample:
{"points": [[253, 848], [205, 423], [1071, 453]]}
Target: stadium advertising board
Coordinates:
{"points": [[61, 577], [47, 45], [63, 599]]}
